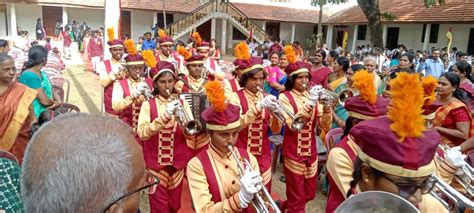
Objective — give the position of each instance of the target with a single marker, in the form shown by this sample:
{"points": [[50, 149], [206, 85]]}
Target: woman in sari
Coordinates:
{"points": [[340, 68], [340, 114], [370, 62], [16, 110], [34, 78], [453, 119], [320, 72], [463, 70], [214, 52], [276, 74]]}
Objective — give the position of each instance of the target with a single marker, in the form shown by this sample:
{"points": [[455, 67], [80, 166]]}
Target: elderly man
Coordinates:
{"points": [[70, 166]]}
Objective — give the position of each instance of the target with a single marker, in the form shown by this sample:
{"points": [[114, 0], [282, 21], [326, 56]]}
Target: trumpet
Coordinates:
{"points": [[341, 97], [190, 127], [258, 201], [465, 174], [143, 87], [442, 189], [298, 122]]}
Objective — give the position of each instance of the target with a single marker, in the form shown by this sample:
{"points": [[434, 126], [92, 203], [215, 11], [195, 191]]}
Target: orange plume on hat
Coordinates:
{"points": [[216, 95], [130, 45], [290, 54], [197, 38], [185, 53], [161, 33], [111, 34], [364, 82], [242, 51], [405, 110], [429, 87], [149, 58]]}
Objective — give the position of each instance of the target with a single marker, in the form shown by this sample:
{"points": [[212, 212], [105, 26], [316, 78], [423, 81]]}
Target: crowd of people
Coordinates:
{"points": [[176, 112]]}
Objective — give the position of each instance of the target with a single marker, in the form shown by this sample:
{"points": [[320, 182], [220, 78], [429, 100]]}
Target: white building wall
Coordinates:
{"points": [[141, 22], [93, 17], [303, 32], [285, 31], [3, 24], [26, 15]]}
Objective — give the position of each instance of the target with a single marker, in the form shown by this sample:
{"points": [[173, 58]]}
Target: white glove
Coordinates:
{"points": [[314, 94], [143, 87], [454, 157], [136, 93], [269, 101], [248, 187], [171, 107]]}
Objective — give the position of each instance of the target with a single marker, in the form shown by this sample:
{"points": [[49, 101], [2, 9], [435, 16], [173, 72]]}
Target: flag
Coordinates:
{"points": [[251, 34], [449, 34], [344, 41]]}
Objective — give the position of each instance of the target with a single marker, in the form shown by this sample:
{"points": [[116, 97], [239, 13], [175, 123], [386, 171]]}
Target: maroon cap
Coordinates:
{"points": [[162, 66], [383, 150], [204, 45], [297, 68], [134, 59], [166, 41], [251, 64], [225, 120], [115, 43], [360, 109], [195, 59]]}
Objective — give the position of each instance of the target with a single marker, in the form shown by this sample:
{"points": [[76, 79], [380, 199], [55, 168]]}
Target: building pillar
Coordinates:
{"points": [[354, 40], [264, 25], [155, 19], [230, 29], [112, 15], [427, 37], [293, 29], [213, 28], [384, 35], [224, 35], [11, 11], [65, 17], [329, 36]]}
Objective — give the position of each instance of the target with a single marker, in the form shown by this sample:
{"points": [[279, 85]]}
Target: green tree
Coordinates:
{"points": [[321, 3]]}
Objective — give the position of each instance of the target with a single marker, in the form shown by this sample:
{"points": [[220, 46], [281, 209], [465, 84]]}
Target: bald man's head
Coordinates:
{"points": [[80, 162]]}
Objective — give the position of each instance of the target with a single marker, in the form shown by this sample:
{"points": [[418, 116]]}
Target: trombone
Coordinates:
{"points": [[298, 122], [190, 127], [258, 201]]}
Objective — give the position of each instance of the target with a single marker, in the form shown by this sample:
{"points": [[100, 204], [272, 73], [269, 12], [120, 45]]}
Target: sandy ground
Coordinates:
{"points": [[85, 92]]}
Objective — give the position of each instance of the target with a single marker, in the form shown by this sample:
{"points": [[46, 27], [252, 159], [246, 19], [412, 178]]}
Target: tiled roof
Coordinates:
{"points": [[411, 11], [276, 13], [182, 6]]}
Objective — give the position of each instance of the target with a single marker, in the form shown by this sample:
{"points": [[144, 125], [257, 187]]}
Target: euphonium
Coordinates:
{"points": [[258, 201], [298, 122], [190, 127], [442, 189], [465, 174]]}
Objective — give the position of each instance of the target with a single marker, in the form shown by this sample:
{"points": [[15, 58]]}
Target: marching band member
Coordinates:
{"points": [[241, 52], [368, 105], [193, 82], [211, 65], [166, 53], [127, 97], [213, 174], [396, 152], [165, 146], [111, 70], [299, 147], [255, 123]]}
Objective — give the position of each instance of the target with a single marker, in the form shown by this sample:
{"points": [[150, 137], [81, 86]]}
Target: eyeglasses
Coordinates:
{"points": [[151, 189], [405, 190]]}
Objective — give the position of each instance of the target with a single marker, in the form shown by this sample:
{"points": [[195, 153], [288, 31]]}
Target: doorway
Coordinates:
{"points": [[273, 29], [392, 37], [470, 45], [125, 24], [205, 30], [50, 16]]}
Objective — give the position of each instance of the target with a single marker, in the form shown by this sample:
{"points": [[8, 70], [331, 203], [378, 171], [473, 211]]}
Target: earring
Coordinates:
{"points": [[366, 179]]}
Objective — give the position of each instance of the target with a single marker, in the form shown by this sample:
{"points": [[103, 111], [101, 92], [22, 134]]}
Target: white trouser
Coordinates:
{"points": [[95, 63]]}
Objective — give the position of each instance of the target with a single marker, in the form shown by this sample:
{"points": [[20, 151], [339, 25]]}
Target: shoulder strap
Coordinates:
{"points": [[243, 153], [153, 109], [233, 84], [292, 101], [149, 81], [108, 66], [213, 64], [125, 87], [243, 101], [345, 146], [210, 176]]}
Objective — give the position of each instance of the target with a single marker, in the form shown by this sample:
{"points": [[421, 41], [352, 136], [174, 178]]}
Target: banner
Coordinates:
{"points": [[344, 41], [449, 34]]}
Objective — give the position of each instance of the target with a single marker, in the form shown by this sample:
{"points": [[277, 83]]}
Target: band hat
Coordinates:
{"points": [[220, 115], [161, 67], [204, 46], [297, 68], [195, 59], [164, 38], [251, 64]]}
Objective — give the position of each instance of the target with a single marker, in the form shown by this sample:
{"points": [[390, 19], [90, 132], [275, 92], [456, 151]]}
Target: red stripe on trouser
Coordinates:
{"points": [[299, 191], [164, 200]]}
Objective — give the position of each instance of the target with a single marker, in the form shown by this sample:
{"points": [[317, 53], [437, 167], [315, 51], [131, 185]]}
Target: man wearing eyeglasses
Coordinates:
{"points": [[87, 171]]}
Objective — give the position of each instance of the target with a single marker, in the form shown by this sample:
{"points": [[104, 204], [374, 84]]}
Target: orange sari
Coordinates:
{"points": [[443, 112], [15, 125]]}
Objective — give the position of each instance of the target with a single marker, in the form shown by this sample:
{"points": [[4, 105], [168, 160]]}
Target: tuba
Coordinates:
{"points": [[298, 122], [258, 201], [190, 127]]}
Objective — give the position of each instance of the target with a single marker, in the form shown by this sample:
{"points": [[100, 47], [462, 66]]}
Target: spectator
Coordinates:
{"points": [[58, 27], [339, 49], [105, 168], [95, 50], [48, 44], [299, 51], [331, 58], [4, 46], [39, 30], [140, 43], [276, 47], [148, 44], [433, 66]]}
